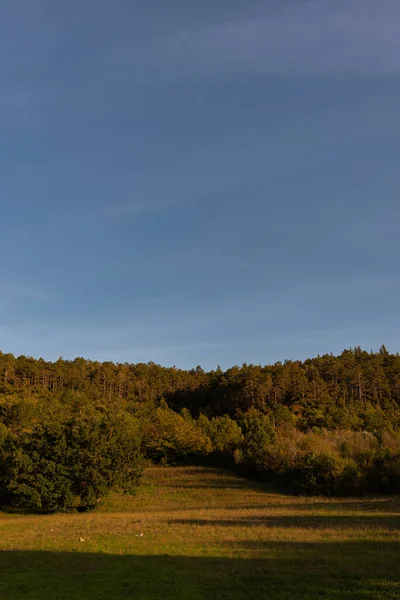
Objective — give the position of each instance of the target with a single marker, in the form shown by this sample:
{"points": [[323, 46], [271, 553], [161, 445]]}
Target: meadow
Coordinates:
{"points": [[200, 533]]}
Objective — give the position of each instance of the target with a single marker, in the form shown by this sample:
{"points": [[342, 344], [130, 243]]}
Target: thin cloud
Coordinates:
{"points": [[304, 38]]}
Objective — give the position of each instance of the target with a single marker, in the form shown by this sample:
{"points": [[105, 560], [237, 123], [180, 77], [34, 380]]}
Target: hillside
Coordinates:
{"points": [[355, 390], [328, 425]]}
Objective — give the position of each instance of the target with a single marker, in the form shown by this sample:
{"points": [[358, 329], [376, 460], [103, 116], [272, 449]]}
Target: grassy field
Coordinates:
{"points": [[194, 534]]}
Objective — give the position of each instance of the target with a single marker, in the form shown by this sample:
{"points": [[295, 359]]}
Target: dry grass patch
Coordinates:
{"points": [[205, 533]]}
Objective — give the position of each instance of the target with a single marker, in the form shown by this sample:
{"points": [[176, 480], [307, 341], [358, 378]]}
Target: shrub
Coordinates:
{"points": [[61, 465], [225, 434], [172, 438], [259, 435], [316, 474], [383, 475], [351, 481], [6, 446]]}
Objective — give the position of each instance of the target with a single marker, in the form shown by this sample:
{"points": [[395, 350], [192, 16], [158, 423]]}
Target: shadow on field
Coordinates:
{"points": [[224, 483], [281, 571], [196, 478], [301, 522], [373, 505], [376, 506]]}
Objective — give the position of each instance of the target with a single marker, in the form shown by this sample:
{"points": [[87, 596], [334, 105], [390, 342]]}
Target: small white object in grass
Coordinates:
{"points": [[81, 540], [139, 535]]}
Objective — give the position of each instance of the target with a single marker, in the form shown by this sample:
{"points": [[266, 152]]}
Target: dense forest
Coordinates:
{"points": [[72, 430]]}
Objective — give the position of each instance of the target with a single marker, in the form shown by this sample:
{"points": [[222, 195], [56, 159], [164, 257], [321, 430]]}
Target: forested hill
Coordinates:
{"points": [[357, 390], [72, 430]]}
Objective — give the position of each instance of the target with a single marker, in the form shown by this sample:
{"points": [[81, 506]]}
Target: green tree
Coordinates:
{"points": [[73, 463]]}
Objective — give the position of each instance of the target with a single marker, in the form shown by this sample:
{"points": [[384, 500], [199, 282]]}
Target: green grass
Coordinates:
{"points": [[206, 534]]}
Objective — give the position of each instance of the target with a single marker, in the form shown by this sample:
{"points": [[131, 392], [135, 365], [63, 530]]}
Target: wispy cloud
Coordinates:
{"points": [[312, 37], [296, 38]]}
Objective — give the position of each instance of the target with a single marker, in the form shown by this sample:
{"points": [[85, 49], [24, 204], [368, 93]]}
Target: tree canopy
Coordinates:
{"points": [[70, 430]]}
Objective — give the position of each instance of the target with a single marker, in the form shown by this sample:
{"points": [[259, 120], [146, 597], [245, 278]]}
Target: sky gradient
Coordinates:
{"points": [[199, 182]]}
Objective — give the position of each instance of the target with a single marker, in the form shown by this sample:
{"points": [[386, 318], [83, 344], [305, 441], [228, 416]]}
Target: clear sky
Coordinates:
{"points": [[211, 182]]}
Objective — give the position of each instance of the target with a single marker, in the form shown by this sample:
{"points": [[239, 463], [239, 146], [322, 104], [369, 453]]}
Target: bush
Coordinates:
{"points": [[351, 481], [6, 446], [225, 434], [383, 476], [70, 464], [316, 474], [175, 439], [259, 436]]}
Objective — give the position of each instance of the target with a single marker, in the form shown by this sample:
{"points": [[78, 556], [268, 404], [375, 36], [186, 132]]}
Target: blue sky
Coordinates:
{"points": [[199, 182]]}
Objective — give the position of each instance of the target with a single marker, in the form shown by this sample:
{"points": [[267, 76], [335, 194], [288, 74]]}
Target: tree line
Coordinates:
{"points": [[72, 430]]}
